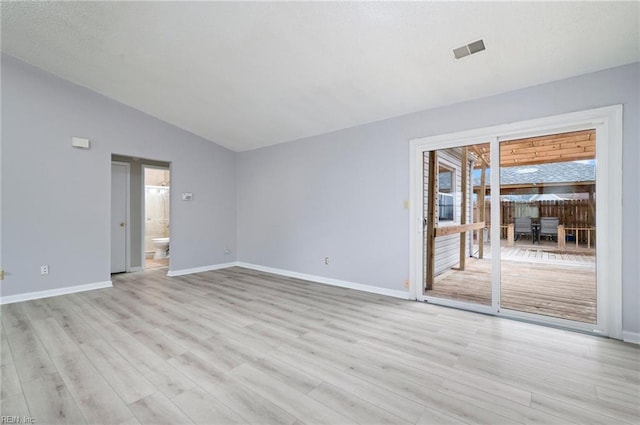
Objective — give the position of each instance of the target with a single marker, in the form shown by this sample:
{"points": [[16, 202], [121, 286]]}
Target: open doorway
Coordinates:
{"points": [[157, 223], [130, 244]]}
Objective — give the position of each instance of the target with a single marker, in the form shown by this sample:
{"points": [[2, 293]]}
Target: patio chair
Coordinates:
{"points": [[549, 227], [523, 226]]}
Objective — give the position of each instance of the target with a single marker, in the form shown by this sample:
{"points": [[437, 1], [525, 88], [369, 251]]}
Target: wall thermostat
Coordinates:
{"points": [[187, 196]]}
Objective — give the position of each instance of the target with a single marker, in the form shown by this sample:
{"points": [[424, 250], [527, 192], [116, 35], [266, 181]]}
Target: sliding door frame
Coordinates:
{"points": [[608, 124]]}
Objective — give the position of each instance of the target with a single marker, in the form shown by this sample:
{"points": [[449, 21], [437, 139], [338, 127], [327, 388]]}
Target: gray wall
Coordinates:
{"points": [[341, 194], [56, 199], [338, 195]]}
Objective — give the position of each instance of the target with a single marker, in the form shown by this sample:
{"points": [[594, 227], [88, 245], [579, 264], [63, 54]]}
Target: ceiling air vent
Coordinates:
{"points": [[469, 49]]}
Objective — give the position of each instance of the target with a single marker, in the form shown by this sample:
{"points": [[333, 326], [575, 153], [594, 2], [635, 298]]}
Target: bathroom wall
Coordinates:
{"points": [[156, 177]]}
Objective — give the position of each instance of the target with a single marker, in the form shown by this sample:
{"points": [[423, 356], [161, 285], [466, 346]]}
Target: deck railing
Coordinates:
{"points": [[577, 216]]}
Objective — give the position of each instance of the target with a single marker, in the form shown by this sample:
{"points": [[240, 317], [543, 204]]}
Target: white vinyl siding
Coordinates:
{"points": [[447, 248]]}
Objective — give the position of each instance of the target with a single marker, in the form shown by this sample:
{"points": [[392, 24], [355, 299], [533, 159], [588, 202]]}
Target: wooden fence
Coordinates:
{"points": [[574, 213]]}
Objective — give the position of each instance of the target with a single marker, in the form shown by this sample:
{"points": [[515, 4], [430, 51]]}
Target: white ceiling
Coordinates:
{"points": [[246, 75]]}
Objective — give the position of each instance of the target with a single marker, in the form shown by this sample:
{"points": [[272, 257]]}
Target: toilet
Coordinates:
{"points": [[162, 246]]}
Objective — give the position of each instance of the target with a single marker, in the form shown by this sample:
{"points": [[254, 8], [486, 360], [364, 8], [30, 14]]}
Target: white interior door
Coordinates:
{"points": [[119, 201]]}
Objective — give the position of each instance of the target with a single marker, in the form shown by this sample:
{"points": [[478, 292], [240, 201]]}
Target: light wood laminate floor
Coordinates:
{"points": [[240, 346]]}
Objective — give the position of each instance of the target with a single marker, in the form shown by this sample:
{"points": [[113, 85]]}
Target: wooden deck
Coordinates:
{"points": [[534, 280]]}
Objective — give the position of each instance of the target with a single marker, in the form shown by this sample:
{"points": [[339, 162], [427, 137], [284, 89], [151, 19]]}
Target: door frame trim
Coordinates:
{"points": [[127, 231], [608, 124]]}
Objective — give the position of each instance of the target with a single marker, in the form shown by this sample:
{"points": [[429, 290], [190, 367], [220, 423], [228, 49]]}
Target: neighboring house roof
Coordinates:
{"points": [[546, 197], [556, 172], [542, 197]]}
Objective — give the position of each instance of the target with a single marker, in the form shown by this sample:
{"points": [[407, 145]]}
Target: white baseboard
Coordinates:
{"points": [[312, 278], [328, 281], [135, 269], [54, 292], [631, 337], [173, 273]]}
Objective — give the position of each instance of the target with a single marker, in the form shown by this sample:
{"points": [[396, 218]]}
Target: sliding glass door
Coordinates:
{"points": [[505, 220]]}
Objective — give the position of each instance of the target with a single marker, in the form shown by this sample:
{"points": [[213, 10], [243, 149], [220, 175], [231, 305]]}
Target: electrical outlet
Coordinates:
{"points": [[406, 283], [227, 251], [326, 260], [44, 270]]}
